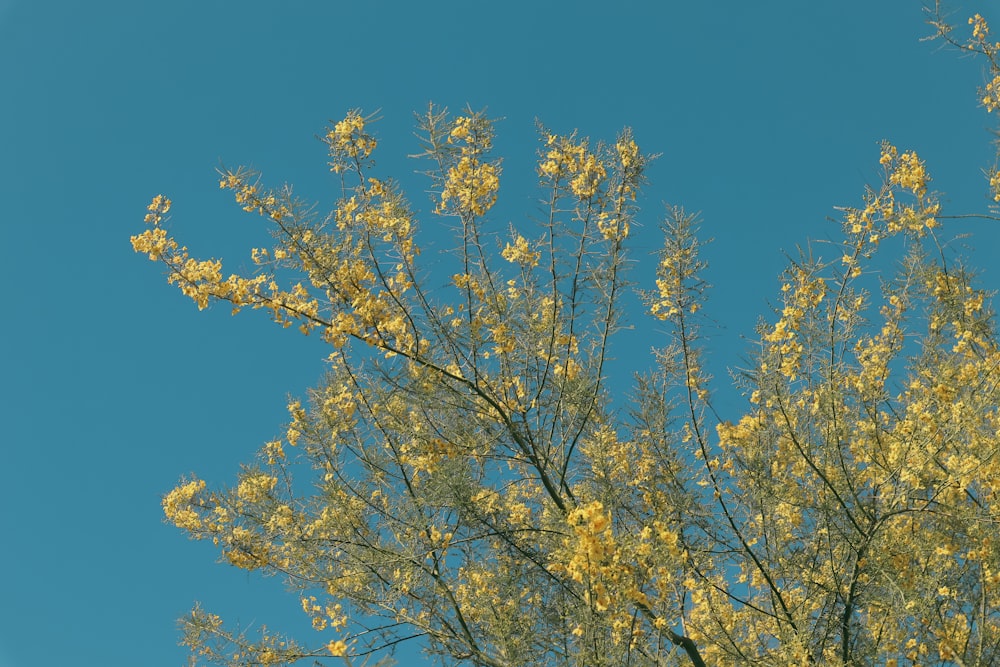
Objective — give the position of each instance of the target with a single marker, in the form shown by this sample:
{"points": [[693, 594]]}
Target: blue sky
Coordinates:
{"points": [[114, 386]]}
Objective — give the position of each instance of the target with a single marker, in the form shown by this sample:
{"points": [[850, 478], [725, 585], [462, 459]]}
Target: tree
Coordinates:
{"points": [[463, 474]]}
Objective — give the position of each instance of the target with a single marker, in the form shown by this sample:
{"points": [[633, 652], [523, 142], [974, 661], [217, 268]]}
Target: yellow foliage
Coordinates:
{"points": [[465, 472]]}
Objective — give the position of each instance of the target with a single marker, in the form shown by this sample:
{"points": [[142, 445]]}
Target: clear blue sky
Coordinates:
{"points": [[113, 385]]}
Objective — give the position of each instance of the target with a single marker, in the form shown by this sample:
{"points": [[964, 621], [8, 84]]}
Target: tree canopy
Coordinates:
{"points": [[466, 476]]}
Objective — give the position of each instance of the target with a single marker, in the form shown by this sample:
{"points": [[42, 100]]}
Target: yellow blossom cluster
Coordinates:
{"points": [[474, 131], [591, 551], [477, 586], [570, 159], [980, 29], [978, 42], [628, 153], [745, 430], [223, 519], [803, 294], [349, 143], [426, 455], [995, 184], [157, 208], [154, 242], [249, 196], [177, 505], [471, 187], [991, 94], [677, 271], [906, 170], [256, 487], [380, 212], [245, 550], [883, 215], [470, 182], [874, 353], [865, 227], [590, 173], [324, 616], [202, 280], [520, 252], [602, 181], [613, 227], [273, 452], [297, 425]]}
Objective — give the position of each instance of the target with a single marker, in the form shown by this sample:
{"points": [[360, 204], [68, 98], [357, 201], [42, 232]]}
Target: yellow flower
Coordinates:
{"points": [[349, 142], [909, 171], [991, 94], [177, 505], [995, 184], [472, 186], [461, 129], [589, 175], [521, 253], [254, 488], [980, 29], [628, 152]]}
